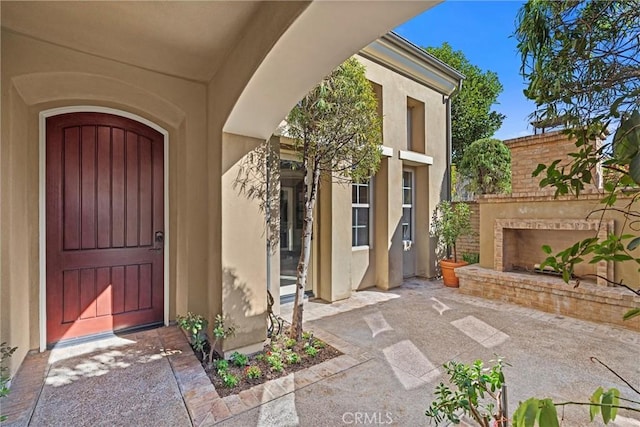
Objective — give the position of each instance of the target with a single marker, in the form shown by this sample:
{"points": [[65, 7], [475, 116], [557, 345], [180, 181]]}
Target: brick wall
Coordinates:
{"points": [[529, 151], [587, 301], [470, 244]]}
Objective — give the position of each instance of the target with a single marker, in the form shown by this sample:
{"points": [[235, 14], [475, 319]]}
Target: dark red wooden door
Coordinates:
{"points": [[105, 224]]}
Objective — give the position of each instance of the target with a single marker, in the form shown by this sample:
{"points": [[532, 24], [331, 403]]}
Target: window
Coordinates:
{"points": [[360, 205], [407, 205]]}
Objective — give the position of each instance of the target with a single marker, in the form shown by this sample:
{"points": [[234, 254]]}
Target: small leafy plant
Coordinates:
{"points": [[448, 223], [220, 332], [471, 258], [239, 359], [222, 366], [311, 350], [5, 353], [196, 326], [252, 372], [307, 335], [290, 343], [291, 357], [274, 359], [230, 380], [477, 393]]}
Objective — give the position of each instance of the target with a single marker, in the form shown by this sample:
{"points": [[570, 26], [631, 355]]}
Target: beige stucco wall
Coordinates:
{"points": [[37, 76], [382, 264], [566, 207]]}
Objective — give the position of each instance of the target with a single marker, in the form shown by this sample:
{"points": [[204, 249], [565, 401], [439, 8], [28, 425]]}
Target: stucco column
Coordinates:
{"points": [[388, 234], [243, 250], [334, 230], [422, 220]]}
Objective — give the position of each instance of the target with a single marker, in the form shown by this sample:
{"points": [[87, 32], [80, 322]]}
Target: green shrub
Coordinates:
{"points": [[230, 380], [239, 359], [253, 372], [196, 326], [274, 359], [5, 354], [471, 258], [291, 357], [311, 350], [448, 223], [486, 164], [290, 343], [222, 366]]}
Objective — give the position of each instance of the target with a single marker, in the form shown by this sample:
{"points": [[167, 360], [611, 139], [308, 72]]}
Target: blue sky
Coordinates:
{"points": [[482, 30]]}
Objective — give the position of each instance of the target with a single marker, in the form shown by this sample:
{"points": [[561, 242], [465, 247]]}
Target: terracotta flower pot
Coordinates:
{"points": [[449, 277]]}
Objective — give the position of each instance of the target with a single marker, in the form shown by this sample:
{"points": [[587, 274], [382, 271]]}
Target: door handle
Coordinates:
{"points": [[158, 241]]}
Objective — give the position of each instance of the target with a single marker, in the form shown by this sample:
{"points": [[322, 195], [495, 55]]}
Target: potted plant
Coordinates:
{"points": [[448, 223]]}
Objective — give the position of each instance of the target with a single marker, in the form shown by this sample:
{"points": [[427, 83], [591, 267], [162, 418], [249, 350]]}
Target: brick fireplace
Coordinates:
{"points": [[514, 227], [518, 243]]}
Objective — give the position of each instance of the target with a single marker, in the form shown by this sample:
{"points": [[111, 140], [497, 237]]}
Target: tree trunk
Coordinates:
{"points": [[310, 195]]}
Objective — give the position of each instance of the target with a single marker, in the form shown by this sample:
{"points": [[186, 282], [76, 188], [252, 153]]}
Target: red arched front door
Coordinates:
{"points": [[105, 224]]}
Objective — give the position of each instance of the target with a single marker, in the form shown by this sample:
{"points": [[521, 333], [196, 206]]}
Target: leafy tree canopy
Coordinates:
{"points": [[582, 62], [471, 114], [581, 58], [336, 127], [486, 164], [337, 133]]}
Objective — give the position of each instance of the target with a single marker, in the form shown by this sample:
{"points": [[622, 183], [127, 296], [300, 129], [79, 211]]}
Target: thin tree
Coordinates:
{"points": [[337, 133]]}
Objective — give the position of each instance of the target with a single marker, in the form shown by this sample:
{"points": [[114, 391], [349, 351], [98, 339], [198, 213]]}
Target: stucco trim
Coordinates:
{"points": [[386, 151], [415, 159], [401, 56], [42, 202]]}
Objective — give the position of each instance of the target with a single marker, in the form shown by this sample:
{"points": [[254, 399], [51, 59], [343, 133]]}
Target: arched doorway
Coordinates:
{"points": [[104, 224]]}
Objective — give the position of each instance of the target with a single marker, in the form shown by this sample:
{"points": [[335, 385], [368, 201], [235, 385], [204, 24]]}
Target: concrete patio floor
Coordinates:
{"points": [[394, 343]]}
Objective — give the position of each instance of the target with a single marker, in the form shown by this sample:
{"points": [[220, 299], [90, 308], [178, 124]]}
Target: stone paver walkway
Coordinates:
{"points": [[394, 345]]}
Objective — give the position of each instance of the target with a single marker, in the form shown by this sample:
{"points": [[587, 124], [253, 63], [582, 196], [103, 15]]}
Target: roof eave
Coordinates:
{"points": [[402, 56]]}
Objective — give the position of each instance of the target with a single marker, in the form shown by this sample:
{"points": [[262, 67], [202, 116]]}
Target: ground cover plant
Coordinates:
{"points": [[281, 356]]}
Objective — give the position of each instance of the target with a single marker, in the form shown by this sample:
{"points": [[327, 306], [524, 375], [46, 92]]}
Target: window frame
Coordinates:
{"points": [[408, 205], [369, 206]]}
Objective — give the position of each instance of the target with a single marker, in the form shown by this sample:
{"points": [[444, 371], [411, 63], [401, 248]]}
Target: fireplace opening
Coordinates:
{"points": [[518, 245]]}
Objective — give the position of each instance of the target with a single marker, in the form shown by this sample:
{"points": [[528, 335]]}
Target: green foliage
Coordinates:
{"points": [[5, 353], [229, 380], [290, 343], [476, 393], [311, 350], [580, 60], [291, 357], [337, 133], [471, 258], [471, 115], [543, 412], [222, 366], [196, 326], [307, 335], [448, 223], [486, 164], [336, 127], [239, 359], [253, 372], [274, 359]]}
